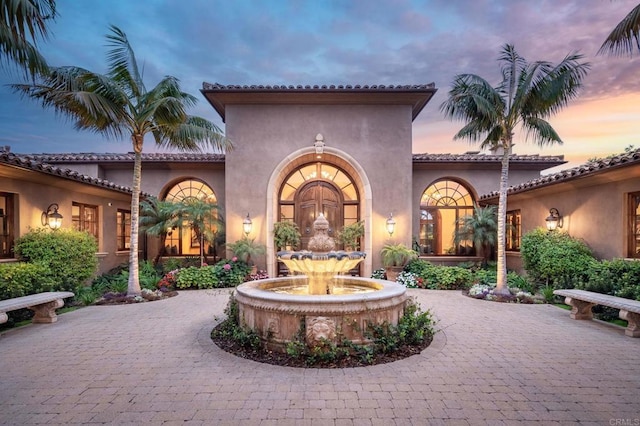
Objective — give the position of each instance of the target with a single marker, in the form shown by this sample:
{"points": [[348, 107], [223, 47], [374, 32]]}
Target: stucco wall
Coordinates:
{"points": [[377, 137], [592, 209], [33, 198]]}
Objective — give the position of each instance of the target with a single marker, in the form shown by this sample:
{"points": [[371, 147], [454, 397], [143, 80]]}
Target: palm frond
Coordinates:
{"points": [[123, 66], [625, 37], [22, 24], [540, 131]]}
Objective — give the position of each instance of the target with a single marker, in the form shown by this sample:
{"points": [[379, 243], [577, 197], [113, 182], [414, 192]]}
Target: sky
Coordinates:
{"points": [[353, 42]]}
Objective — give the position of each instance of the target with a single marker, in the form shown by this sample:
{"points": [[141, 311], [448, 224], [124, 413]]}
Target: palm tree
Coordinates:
{"points": [[527, 95], [625, 37], [22, 23], [203, 217], [480, 227], [116, 104]]}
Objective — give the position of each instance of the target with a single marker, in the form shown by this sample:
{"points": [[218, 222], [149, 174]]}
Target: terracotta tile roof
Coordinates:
{"points": [[474, 157], [126, 157], [587, 169], [22, 162]]}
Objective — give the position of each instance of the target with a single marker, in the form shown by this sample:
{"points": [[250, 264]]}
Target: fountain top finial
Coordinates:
{"points": [[321, 241]]}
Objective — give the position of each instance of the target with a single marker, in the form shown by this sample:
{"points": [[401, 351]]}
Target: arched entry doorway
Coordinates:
{"points": [[314, 188]]}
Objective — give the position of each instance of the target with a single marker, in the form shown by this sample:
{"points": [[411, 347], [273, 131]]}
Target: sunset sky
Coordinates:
{"points": [[343, 42]]}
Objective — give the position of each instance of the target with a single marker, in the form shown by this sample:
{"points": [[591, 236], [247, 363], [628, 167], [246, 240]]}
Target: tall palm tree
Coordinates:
{"points": [[625, 37], [22, 24], [480, 227], [527, 95], [116, 104]]}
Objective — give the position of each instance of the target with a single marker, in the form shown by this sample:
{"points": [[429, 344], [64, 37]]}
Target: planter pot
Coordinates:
{"points": [[393, 272]]}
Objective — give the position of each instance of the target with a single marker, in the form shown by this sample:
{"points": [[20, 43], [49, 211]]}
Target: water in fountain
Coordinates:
{"points": [[321, 263]]}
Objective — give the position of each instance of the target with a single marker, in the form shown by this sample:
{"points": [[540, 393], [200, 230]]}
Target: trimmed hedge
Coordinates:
{"points": [[68, 256], [21, 279]]}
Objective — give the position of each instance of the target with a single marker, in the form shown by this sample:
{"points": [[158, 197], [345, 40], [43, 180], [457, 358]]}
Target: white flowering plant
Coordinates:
{"points": [[410, 280]]}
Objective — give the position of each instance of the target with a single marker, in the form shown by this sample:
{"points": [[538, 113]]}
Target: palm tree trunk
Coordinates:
{"points": [[133, 287], [501, 285]]}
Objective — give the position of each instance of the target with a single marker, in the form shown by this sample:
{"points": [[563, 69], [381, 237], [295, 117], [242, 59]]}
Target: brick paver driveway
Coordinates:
{"points": [[154, 363]]}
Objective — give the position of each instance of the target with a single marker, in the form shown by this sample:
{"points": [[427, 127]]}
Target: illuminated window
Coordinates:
{"points": [[84, 217], [442, 204], [514, 230], [7, 218], [183, 241], [634, 225], [123, 229]]}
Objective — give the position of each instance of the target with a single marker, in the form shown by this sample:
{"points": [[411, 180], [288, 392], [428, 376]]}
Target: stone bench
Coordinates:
{"points": [[582, 301], [43, 304]]}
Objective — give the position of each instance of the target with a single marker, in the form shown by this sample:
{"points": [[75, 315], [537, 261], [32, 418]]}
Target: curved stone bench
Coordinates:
{"points": [[582, 301], [43, 304]]}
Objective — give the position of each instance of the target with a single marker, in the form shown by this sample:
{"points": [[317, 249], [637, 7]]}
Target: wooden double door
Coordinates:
{"points": [[314, 198]]}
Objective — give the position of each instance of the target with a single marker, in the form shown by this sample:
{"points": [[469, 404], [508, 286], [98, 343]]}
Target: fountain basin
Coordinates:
{"points": [[278, 308]]}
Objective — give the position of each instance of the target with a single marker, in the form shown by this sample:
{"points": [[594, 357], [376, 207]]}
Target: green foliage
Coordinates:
{"points": [[149, 275], [231, 273], [555, 258], [397, 255], [247, 248], [225, 273], [286, 233], [22, 279], [69, 256], [486, 276], [617, 277], [232, 328], [194, 277], [441, 277], [171, 264], [350, 235], [481, 228]]}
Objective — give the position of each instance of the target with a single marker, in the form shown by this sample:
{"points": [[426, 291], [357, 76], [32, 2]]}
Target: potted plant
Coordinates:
{"points": [[395, 257], [350, 235], [286, 235], [245, 249]]}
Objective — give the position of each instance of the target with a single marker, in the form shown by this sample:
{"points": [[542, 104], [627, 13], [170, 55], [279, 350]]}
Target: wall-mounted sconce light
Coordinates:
{"points": [[51, 217], [554, 220], [391, 224], [319, 145], [247, 225]]}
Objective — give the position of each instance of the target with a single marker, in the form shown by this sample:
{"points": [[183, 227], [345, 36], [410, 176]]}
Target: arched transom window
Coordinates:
{"points": [[316, 188], [184, 241], [441, 205]]}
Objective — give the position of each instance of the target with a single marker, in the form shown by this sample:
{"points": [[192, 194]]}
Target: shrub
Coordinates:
{"points": [[555, 258], [441, 277], [615, 277], [231, 273], [69, 256], [21, 279], [193, 277], [148, 275]]}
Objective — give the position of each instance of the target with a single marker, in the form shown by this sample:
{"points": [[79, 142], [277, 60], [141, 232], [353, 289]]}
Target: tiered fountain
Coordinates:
{"points": [[329, 306]]}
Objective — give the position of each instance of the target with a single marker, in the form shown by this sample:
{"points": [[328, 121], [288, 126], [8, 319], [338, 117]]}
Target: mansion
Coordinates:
{"points": [[344, 151]]}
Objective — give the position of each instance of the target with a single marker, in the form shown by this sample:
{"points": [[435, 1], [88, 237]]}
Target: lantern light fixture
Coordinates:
{"points": [[247, 225], [554, 220], [391, 224], [51, 217]]}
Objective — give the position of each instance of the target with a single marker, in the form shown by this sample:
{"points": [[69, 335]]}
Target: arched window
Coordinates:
{"points": [[315, 188], [184, 242], [441, 205]]}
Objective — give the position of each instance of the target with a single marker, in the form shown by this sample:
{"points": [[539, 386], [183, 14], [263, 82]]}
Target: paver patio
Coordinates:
{"points": [[154, 363]]}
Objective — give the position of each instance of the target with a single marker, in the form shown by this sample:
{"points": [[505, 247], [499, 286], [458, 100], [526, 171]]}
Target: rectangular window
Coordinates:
{"points": [[514, 230], [85, 218], [7, 220], [634, 225], [123, 229]]}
